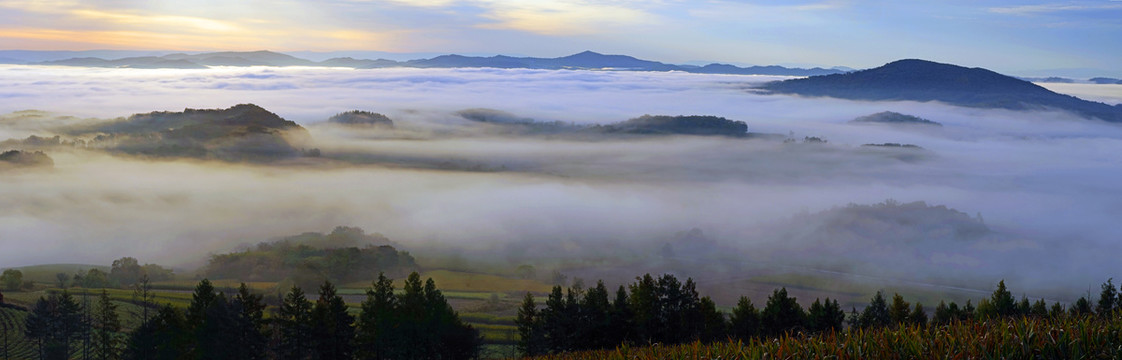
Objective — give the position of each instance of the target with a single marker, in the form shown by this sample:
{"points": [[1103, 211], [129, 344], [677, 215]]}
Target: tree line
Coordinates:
{"points": [[666, 311], [418, 323]]}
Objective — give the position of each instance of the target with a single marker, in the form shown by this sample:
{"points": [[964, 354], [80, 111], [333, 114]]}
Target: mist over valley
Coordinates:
{"points": [[570, 170]]}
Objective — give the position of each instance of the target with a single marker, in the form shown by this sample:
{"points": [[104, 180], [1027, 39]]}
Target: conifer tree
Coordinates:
{"points": [[332, 327], [899, 310], [595, 318], [714, 326], [249, 312], [782, 314], [529, 328], [876, 314], [1039, 308], [622, 319], [1108, 299], [1002, 301], [107, 330], [918, 316], [376, 337], [164, 336], [294, 319], [745, 320]]}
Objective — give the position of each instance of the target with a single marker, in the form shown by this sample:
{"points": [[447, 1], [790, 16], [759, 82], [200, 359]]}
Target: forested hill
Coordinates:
{"points": [[346, 254], [921, 80]]}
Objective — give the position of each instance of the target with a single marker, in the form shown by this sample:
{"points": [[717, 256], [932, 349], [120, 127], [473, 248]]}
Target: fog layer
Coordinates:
{"points": [[1044, 181]]}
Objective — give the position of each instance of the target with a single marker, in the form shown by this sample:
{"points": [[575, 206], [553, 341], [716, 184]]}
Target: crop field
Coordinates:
{"points": [[13, 344], [1084, 337]]}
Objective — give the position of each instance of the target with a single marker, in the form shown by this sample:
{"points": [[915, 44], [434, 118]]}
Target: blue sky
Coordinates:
{"points": [[1003, 35]]}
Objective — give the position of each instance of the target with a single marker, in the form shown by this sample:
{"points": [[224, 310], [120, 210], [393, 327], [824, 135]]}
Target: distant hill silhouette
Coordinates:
{"points": [[583, 60], [894, 118], [362, 118], [677, 125], [920, 80]]}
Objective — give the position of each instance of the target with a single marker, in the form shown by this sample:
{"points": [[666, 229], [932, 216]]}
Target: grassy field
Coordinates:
{"points": [[46, 273], [1087, 337]]}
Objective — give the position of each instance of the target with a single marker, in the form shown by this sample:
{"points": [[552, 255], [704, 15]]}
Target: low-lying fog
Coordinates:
{"points": [[1046, 181]]}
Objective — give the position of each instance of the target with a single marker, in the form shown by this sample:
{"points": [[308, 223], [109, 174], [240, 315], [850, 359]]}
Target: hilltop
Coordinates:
{"points": [[921, 80]]}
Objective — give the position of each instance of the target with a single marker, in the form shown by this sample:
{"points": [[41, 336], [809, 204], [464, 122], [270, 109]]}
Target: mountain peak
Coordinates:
{"points": [[922, 80]]}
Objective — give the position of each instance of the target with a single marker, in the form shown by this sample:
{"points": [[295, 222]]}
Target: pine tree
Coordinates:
{"points": [[375, 332], [918, 316], [595, 318], [1108, 299], [1002, 301], [899, 310], [835, 316], [249, 313], [1057, 310], [529, 328], [332, 327], [713, 325], [620, 324], [164, 336], [294, 319], [816, 316], [1039, 308], [876, 314], [745, 320], [1081, 307], [107, 328], [782, 314], [554, 325], [643, 302], [943, 315]]}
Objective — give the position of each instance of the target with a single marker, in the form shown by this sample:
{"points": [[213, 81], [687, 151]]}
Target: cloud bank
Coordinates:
{"points": [[1044, 180]]}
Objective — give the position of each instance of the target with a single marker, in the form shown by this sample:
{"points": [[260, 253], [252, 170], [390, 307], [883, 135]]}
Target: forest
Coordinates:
{"points": [[417, 322]]}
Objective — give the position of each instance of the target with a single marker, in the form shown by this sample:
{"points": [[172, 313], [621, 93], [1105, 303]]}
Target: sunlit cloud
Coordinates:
{"points": [[549, 17], [148, 20]]}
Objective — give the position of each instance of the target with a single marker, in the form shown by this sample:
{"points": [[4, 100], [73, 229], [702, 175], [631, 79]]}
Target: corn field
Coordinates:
{"points": [[1082, 337]]}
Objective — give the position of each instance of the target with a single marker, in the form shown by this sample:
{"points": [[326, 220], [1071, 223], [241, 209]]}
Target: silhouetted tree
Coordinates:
{"points": [[332, 327], [1108, 299], [876, 314], [1057, 310], [620, 325], [899, 310], [249, 319], [165, 336], [714, 326], [375, 333], [1039, 308], [1002, 301], [530, 342], [918, 316], [782, 314], [595, 318], [1081, 307], [294, 324], [744, 323], [107, 330]]}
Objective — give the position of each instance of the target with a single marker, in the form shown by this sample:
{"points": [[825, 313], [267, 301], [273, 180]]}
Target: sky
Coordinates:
{"points": [[1008, 36]]}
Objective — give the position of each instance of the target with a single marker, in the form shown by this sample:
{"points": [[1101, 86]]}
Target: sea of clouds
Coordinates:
{"points": [[1048, 177]]}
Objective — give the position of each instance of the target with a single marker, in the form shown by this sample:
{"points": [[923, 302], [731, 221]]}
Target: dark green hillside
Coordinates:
{"points": [[921, 80]]}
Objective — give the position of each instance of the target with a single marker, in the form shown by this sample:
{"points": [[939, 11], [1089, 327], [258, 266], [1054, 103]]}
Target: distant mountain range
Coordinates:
{"points": [[587, 60], [920, 80]]}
